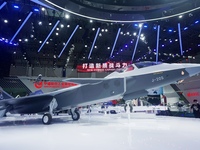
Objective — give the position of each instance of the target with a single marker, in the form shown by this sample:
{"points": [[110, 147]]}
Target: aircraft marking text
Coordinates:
{"points": [[158, 79]]}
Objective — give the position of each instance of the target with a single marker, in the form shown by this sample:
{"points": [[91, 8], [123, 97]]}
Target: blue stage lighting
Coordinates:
{"points": [[139, 33], [7, 42], [2, 5], [68, 41], [93, 43], [185, 28], [170, 30], [145, 26], [135, 25], [157, 43], [36, 9], [180, 38], [115, 42], [21, 26], [16, 6], [197, 21]]}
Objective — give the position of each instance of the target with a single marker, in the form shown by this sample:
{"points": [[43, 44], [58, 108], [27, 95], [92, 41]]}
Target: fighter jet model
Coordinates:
{"points": [[130, 82]]}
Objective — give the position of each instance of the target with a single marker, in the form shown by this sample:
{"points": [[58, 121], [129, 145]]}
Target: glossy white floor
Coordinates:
{"points": [[101, 132]]}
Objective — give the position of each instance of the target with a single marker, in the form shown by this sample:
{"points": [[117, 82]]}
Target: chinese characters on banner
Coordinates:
{"points": [[101, 67]]}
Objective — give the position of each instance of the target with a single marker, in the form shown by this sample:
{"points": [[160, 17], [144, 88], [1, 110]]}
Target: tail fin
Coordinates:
{"points": [[37, 92], [4, 95]]}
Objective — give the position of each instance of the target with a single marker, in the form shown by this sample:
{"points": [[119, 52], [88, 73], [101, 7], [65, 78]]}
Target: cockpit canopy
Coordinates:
{"points": [[138, 65], [125, 69], [146, 64]]}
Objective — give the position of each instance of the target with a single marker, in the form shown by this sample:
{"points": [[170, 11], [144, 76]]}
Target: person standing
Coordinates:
{"points": [[196, 108]]}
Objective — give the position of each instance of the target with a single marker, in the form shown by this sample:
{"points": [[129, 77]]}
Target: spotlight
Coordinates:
{"points": [[170, 30], [140, 25], [67, 16], [145, 26], [36, 9], [16, 6]]}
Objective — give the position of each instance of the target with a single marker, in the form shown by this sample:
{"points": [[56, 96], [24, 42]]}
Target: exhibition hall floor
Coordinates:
{"points": [[101, 132]]}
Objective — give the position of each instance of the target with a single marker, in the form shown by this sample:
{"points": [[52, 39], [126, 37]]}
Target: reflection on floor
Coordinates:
{"points": [[136, 131]]}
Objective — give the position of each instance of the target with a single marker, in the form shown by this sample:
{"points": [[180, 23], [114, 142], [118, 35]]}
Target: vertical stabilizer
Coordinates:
{"points": [[4, 95]]}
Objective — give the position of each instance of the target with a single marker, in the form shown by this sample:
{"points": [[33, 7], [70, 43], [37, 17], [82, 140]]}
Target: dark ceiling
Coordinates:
{"points": [[27, 47], [125, 10]]}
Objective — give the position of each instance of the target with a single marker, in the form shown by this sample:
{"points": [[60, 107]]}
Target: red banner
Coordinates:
{"points": [[101, 67]]}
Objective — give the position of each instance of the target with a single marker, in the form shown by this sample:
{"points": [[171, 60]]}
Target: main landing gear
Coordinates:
{"points": [[47, 117], [75, 114]]}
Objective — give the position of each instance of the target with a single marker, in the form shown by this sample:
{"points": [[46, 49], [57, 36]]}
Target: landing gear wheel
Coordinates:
{"points": [[75, 115], [46, 119]]}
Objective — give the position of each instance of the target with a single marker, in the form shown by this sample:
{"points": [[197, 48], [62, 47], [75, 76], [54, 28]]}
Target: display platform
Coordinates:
{"points": [[124, 131]]}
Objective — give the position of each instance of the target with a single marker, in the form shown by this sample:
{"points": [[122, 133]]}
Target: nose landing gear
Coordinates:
{"points": [[47, 118]]}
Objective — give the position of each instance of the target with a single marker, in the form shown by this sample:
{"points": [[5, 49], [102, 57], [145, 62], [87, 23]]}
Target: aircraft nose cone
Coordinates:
{"points": [[192, 69]]}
